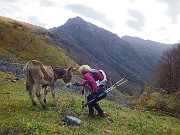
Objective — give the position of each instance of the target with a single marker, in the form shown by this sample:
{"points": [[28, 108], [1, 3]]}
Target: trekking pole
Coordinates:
{"points": [[111, 88], [120, 82], [85, 93], [117, 84]]}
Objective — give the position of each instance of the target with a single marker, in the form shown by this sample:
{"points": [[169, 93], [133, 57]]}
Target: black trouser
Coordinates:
{"points": [[94, 104]]}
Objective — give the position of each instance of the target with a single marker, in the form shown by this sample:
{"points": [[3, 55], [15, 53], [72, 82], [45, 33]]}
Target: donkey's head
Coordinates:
{"points": [[65, 74], [68, 76]]}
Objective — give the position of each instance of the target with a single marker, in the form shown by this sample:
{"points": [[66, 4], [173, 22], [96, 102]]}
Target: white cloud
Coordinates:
{"points": [[89, 13], [145, 19], [137, 21], [172, 10]]}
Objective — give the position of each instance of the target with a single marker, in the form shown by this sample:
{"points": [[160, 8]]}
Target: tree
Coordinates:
{"points": [[167, 73]]}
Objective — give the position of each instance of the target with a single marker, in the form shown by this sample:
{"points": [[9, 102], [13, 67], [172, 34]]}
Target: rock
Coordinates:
{"points": [[108, 131], [111, 120], [13, 80], [73, 121]]}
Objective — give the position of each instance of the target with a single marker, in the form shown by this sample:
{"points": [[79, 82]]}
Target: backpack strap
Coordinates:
{"points": [[103, 82], [93, 73]]}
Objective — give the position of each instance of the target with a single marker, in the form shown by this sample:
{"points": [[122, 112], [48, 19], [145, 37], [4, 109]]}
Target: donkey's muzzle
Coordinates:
{"points": [[68, 85]]}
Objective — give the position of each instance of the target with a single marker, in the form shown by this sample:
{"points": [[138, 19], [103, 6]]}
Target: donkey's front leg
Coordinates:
{"points": [[53, 92], [45, 94]]}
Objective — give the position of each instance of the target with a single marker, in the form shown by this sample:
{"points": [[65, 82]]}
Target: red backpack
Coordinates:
{"points": [[99, 76]]}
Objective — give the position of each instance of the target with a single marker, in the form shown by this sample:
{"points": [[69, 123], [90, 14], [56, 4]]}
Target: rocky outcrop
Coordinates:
{"points": [[11, 65]]}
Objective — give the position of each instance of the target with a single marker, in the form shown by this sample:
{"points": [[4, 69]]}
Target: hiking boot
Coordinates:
{"points": [[104, 114], [92, 115]]}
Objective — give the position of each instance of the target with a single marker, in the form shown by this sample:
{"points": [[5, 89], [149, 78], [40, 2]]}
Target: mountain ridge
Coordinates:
{"points": [[108, 49]]}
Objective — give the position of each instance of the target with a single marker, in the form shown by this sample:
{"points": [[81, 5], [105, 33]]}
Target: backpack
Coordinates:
{"points": [[99, 76]]}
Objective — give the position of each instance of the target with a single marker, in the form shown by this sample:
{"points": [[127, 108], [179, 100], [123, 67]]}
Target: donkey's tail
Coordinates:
{"points": [[29, 78]]}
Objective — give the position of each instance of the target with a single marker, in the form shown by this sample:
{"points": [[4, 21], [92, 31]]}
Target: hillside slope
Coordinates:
{"points": [[18, 116], [18, 41]]}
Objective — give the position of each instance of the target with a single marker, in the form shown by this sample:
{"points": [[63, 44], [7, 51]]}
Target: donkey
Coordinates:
{"points": [[42, 76]]}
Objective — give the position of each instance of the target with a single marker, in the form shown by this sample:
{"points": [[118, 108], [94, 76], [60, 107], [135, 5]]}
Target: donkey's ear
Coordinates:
{"points": [[74, 69], [70, 68]]}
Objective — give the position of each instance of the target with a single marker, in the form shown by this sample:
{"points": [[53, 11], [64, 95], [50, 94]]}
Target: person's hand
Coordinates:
{"points": [[76, 84]]}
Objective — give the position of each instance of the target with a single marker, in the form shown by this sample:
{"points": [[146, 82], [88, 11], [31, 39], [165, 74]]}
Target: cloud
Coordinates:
{"points": [[162, 29], [89, 13], [9, 7], [138, 20], [173, 9], [11, 1], [34, 20], [7, 10], [47, 3]]}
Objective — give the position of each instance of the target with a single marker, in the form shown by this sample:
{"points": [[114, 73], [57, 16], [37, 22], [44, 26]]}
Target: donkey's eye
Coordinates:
{"points": [[68, 76]]}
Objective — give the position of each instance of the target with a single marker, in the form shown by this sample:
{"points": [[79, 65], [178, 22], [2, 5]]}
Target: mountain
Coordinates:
{"points": [[150, 51], [98, 47], [147, 47]]}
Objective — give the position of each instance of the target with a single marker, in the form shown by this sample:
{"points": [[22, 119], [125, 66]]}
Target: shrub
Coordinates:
{"points": [[167, 73], [154, 101]]}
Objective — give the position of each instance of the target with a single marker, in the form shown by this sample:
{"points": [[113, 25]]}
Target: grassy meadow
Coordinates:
{"points": [[18, 116]]}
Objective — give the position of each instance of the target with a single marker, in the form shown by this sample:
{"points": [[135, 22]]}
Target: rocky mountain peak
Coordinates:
{"points": [[75, 20], [78, 23]]}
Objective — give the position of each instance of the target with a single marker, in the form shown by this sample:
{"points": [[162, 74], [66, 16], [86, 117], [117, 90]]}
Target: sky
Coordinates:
{"points": [[156, 20]]}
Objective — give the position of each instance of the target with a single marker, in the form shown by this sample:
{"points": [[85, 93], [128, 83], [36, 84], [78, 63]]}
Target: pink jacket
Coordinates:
{"points": [[90, 81]]}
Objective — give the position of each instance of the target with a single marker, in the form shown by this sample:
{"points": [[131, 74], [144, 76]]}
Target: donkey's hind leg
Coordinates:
{"points": [[38, 94], [29, 88]]}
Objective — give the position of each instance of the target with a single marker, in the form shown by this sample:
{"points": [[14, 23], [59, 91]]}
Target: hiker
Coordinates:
{"points": [[96, 89]]}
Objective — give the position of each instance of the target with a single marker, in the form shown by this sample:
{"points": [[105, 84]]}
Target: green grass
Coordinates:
{"points": [[18, 116]]}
